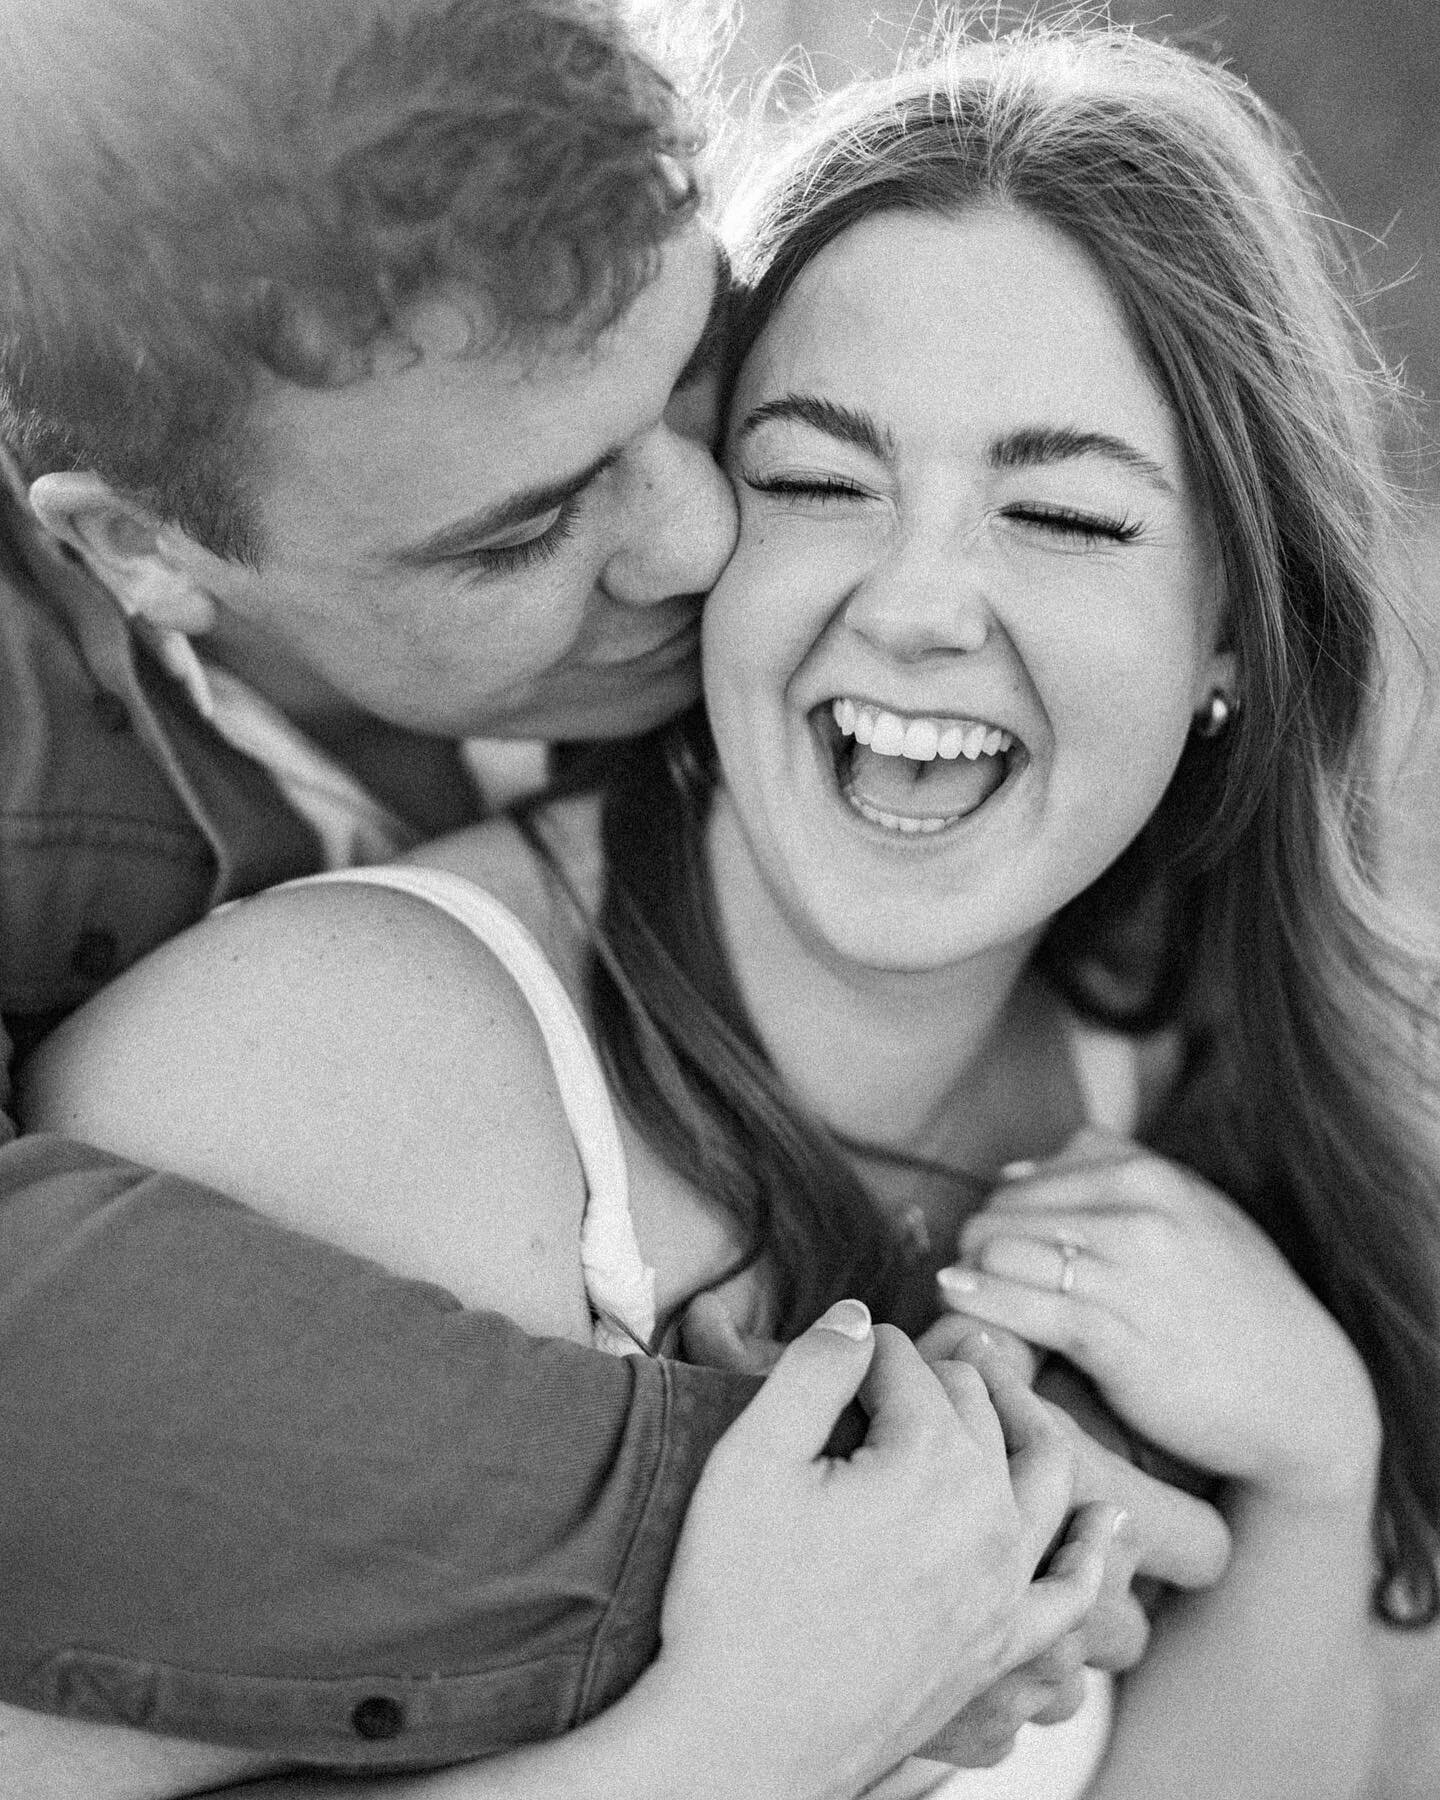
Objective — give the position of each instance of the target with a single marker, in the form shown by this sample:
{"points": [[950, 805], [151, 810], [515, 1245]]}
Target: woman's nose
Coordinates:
{"points": [[924, 602], [680, 521]]}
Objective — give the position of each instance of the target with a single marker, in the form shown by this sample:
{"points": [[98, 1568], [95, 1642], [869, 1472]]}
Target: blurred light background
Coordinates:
{"points": [[1359, 80]]}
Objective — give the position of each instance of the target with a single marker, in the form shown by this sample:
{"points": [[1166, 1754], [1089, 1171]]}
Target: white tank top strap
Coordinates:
{"points": [[1107, 1071], [620, 1285]]}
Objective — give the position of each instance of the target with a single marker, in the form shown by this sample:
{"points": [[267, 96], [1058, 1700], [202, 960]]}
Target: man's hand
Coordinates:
{"points": [[1170, 1536], [1049, 1687], [1047, 1690], [834, 1614]]}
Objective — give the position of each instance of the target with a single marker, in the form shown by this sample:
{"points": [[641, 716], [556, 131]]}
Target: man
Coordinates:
{"points": [[354, 373]]}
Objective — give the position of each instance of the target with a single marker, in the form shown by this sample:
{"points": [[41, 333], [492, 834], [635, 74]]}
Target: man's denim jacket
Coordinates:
{"points": [[254, 1490]]}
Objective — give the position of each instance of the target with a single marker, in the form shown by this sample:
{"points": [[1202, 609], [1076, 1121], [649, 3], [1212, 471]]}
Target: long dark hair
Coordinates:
{"points": [[1247, 914]]}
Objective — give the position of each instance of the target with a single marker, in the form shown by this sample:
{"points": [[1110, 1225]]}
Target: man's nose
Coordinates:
{"points": [[679, 521]]}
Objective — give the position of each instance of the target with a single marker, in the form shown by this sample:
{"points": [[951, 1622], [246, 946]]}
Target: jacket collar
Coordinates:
{"points": [[254, 836]]}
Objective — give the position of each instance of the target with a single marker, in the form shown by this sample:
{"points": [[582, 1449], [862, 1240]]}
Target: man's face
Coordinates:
{"points": [[492, 543]]}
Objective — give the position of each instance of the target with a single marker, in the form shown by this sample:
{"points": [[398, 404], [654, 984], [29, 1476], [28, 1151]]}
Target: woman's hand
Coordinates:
{"points": [[1180, 1309]]}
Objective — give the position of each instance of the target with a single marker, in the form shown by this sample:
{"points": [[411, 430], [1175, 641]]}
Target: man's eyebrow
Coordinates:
{"points": [[1035, 445], [468, 533], [516, 509], [707, 354], [848, 423]]}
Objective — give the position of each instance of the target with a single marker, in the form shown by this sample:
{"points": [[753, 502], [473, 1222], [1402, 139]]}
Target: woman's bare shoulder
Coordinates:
{"points": [[356, 1062], [554, 891]]}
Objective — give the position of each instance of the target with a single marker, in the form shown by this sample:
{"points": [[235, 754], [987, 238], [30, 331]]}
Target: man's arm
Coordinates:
{"points": [[256, 1491], [822, 1615], [838, 1609]]}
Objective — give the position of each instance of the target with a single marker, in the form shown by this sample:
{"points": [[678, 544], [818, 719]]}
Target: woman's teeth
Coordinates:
{"points": [[915, 773], [920, 739]]}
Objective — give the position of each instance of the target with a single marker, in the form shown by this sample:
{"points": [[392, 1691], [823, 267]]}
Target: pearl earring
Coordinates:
{"points": [[1215, 714]]}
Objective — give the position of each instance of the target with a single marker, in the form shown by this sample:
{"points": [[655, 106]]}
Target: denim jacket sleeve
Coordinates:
{"points": [[256, 1491], [253, 1490]]}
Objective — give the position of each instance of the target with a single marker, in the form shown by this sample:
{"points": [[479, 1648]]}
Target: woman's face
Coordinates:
{"points": [[953, 662]]}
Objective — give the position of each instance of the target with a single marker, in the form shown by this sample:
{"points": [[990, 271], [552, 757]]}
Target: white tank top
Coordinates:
{"points": [[619, 1284], [1051, 1762]]}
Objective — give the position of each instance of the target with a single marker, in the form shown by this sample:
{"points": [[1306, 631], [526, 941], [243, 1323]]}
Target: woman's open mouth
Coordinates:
{"points": [[914, 773]]}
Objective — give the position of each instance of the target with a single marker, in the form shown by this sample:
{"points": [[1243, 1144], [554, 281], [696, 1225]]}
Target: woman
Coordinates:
{"points": [[1026, 821]]}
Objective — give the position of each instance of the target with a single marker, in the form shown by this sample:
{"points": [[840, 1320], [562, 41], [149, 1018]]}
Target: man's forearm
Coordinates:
{"points": [[255, 1491], [637, 1749]]}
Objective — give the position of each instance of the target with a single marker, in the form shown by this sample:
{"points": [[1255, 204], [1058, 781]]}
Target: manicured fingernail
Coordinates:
{"points": [[1018, 1170], [956, 1280], [851, 1318]]}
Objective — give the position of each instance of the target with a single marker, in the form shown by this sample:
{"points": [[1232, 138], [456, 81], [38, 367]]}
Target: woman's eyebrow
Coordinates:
{"points": [[1033, 446], [848, 423]]}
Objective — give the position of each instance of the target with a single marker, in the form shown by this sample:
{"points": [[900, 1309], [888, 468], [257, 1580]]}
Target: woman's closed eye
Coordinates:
{"points": [[1076, 524], [1067, 526], [819, 489]]}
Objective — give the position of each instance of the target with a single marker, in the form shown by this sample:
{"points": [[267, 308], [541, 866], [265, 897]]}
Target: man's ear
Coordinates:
{"points": [[127, 549]]}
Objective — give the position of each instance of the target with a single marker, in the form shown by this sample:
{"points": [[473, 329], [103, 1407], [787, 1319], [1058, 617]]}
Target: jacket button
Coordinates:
{"points": [[378, 1716], [111, 711], [95, 955]]}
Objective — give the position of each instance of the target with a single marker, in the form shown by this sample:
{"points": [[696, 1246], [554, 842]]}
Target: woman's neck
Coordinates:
{"points": [[902, 1060]]}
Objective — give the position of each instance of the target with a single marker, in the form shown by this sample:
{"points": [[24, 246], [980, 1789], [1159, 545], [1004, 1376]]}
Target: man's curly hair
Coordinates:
{"points": [[192, 195]]}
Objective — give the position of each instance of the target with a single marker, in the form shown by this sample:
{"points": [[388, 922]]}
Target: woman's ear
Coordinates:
{"points": [[128, 550]]}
